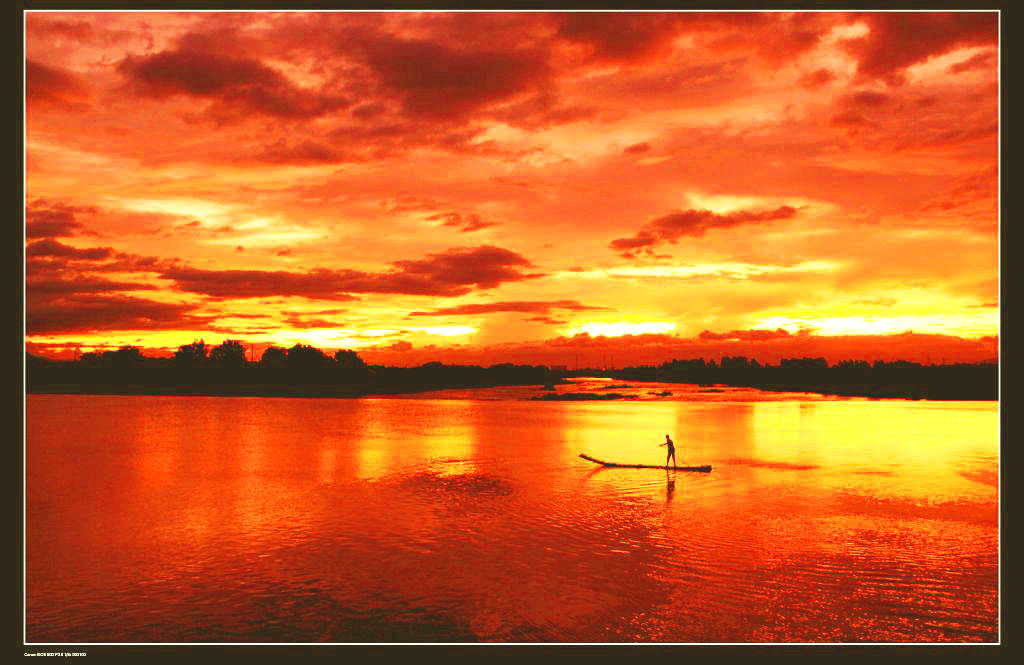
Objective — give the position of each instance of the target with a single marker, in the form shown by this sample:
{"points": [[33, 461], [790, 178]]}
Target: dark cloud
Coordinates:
{"points": [[465, 223], [541, 306], [54, 248], [300, 323], [900, 39], [621, 37], [44, 220], [635, 38], [637, 148], [848, 119], [435, 80], [450, 273], [244, 84], [49, 287], [547, 319], [817, 78], [986, 60], [323, 284], [694, 223], [302, 152], [95, 313], [868, 98], [53, 86], [41, 25], [746, 335], [453, 270]]}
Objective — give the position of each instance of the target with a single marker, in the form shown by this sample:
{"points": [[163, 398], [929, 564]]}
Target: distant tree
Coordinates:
{"points": [[274, 356], [126, 356], [349, 360], [738, 362], [91, 359], [191, 355], [229, 353], [305, 358]]}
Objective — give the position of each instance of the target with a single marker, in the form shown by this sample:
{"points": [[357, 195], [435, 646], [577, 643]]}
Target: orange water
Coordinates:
{"points": [[205, 519]]}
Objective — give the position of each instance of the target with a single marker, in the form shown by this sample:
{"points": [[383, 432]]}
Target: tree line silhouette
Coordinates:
{"points": [[898, 378], [198, 368]]}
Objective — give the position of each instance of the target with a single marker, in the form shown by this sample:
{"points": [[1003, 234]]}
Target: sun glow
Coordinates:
{"points": [[622, 328], [967, 325], [447, 331]]}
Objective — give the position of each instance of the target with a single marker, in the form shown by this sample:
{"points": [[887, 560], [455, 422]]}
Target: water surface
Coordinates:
{"points": [[467, 516]]}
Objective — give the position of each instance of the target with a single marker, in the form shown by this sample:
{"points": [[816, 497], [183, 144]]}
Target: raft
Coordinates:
{"points": [[706, 468]]}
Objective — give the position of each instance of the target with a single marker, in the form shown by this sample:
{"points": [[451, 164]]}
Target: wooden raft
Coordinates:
{"points": [[705, 468]]}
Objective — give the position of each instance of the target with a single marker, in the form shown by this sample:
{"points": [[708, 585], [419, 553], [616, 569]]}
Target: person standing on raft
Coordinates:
{"points": [[671, 452]]}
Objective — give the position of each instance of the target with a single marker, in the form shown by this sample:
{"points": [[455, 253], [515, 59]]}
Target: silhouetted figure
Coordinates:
{"points": [[671, 452]]}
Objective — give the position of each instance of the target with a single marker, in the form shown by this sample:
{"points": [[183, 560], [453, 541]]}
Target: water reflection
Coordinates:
{"points": [[211, 519]]}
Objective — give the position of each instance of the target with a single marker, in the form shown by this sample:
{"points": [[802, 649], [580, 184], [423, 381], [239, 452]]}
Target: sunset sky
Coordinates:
{"points": [[523, 187]]}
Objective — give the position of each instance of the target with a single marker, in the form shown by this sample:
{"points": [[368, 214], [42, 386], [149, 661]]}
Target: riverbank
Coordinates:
{"points": [[344, 391]]}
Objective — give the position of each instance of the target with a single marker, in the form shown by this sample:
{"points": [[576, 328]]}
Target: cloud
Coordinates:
{"points": [[694, 223], [53, 86], [43, 220], [541, 306], [450, 273], [40, 289], [302, 152], [43, 26], [621, 37], [320, 283], [985, 61], [434, 80], [746, 335], [300, 323], [637, 148], [899, 39], [817, 78], [465, 223], [241, 84], [96, 313], [54, 248]]}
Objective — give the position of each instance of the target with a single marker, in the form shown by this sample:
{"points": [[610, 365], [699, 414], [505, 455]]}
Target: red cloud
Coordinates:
{"points": [[900, 39], [53, 86], [746, 335], [450, 273], [485, 267], [240, 83], [41, 289], [637, 148], [513, 306], [985, 60], [92, 313], [436, 81], [694, 223], [323, 284], [465, 223], [43, 220], [621, 37], [54, 248], [817, 78], [304, 152]]}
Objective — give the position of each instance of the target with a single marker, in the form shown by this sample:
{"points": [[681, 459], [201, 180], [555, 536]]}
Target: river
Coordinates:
{"points": [[464, 516]]}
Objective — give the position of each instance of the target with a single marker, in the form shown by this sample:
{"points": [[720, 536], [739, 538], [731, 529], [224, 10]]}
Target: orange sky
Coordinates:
{"points": [[490, 187]]}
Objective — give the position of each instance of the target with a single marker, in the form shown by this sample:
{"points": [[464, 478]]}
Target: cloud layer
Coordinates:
{"points": [[512, 177]]}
